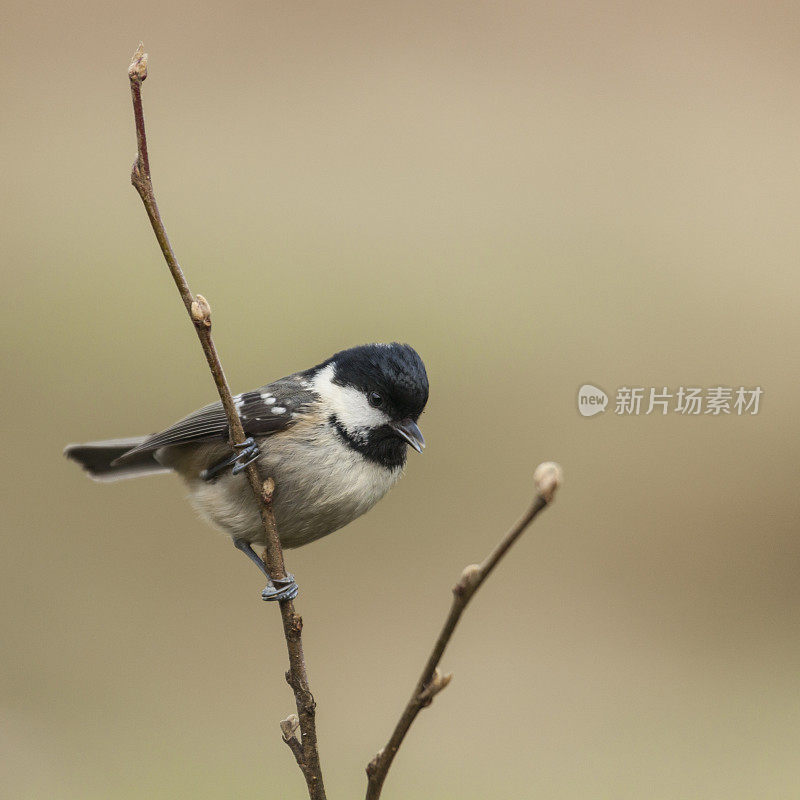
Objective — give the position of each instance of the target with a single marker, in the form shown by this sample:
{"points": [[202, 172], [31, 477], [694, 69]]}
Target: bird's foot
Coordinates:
{"points": [[248, 453], [280, 589]]}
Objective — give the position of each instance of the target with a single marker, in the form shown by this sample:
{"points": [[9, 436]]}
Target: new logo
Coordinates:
{"points": [[591, 400]]}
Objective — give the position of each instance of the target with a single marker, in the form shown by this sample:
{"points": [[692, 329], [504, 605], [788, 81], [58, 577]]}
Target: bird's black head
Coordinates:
{"points": [[375, 394], [391, 375]]}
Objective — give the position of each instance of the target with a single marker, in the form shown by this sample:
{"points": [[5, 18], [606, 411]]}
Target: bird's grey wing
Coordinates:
{"points": [[265, 411]]}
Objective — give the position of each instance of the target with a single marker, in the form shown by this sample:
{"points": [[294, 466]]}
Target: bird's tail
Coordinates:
{"points": [[98, 458]]}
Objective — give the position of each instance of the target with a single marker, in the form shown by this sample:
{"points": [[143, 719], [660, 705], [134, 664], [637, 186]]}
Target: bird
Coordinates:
{"points": [[334, 438]]}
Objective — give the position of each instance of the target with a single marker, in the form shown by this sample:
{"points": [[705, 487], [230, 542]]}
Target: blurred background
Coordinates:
{"points": [[536, 196]]}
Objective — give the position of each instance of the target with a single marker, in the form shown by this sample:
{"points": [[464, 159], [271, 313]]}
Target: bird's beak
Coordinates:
{"points": [[407, 429]]}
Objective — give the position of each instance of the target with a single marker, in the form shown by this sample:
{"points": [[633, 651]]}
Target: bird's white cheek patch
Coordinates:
{"points": [[350, 406]]}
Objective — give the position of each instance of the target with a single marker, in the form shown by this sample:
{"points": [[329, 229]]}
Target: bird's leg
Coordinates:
{"points": [[248, 453], [276, 588], [245, 547]]}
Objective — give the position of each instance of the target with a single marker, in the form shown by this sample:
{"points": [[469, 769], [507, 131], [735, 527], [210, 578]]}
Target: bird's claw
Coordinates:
{"points": [[280, 589], [247, 456], [248, 453]]}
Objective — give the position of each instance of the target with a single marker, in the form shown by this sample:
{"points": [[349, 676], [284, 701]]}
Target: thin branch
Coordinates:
{"points": [[289, 728], [547, 478], [199, 311]]}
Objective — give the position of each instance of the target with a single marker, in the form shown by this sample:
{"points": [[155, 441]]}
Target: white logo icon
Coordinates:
{"points": [[591, 400]]}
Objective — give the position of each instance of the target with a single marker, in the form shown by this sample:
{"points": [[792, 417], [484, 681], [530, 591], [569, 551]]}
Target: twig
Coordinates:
{"points": [[289, 728], [305, 751], [547, 478]]}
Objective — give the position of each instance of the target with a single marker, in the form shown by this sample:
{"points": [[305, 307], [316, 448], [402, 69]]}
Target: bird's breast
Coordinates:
{"points": [[321, 485]]}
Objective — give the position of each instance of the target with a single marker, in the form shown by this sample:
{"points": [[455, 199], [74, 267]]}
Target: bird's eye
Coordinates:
{"points": [[375, 400]]}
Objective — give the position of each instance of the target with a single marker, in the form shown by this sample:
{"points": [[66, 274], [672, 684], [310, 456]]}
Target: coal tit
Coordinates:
{"points": [[333, 437]]}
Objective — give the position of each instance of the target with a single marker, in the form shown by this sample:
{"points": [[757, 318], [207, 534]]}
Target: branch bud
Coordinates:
{"points": [[547, 478], [289, 727], [374, 763], [438, 682], [138, 68], [468, 580], [267, 490], [201, 311]]}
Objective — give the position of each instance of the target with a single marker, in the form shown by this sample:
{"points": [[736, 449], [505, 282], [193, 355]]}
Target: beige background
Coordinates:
{"points": [[536, 196]]}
